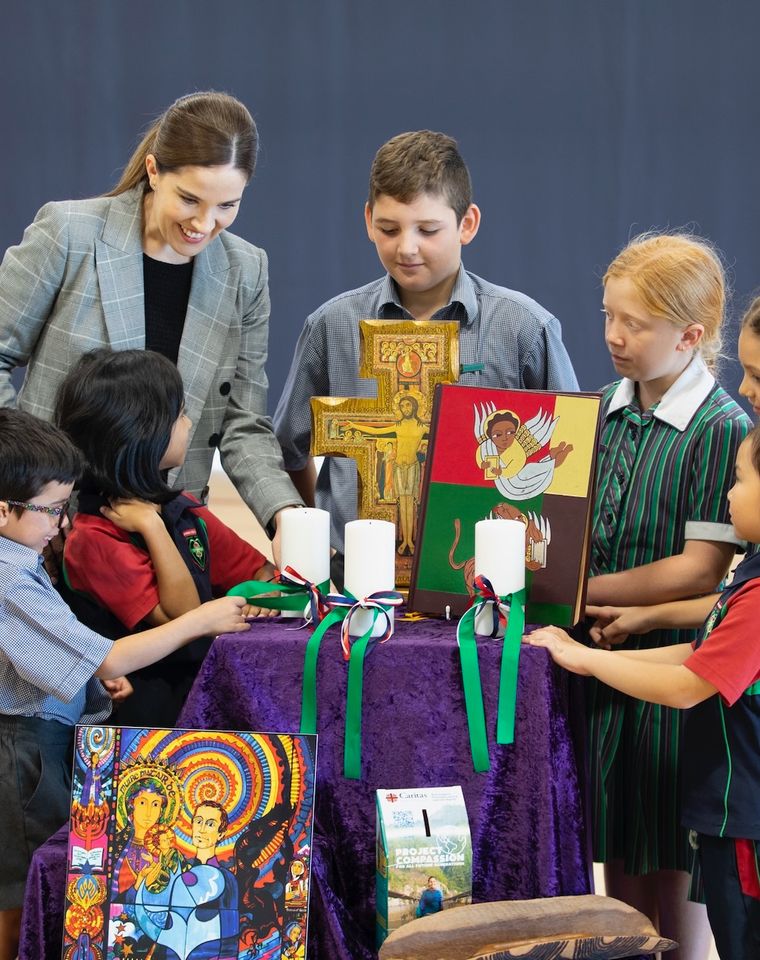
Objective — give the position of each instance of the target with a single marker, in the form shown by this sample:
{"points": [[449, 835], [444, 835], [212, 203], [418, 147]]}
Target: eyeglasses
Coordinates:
{"points": [[58, 512]]}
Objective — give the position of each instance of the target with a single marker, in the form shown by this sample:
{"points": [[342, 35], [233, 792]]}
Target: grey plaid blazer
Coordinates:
{"points": [[75, 282]]}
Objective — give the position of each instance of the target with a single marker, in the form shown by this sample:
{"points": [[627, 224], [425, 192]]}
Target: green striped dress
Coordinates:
{"points": [[662, 479]]}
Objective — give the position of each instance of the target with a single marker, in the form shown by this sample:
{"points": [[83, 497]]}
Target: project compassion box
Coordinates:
{"points": [[424, 854]]}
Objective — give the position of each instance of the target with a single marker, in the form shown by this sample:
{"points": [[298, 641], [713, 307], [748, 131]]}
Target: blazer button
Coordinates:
{"points": [[225, 388], [213, 440]]}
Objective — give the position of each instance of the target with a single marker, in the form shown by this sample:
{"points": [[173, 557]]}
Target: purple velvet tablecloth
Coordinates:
{"points": [[525, 814]]}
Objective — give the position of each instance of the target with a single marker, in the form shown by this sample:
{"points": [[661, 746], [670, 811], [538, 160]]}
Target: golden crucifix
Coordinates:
{"points": [[387, 435]]}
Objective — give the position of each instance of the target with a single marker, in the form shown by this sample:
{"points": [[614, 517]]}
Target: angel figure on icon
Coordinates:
{"points": [[505, 446]]}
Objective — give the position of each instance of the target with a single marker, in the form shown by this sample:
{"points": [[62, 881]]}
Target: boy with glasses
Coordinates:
{"points": [[54, 671]]}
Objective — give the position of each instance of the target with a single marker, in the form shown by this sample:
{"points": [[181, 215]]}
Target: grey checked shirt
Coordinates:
{"points": [[517, 342]]}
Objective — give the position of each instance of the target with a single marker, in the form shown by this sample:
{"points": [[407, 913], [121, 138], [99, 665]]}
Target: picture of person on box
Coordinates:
{"points": [[431, 899]]}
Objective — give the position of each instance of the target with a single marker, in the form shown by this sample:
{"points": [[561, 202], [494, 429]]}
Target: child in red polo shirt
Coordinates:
{"points": [[139, 553], [717, 679]]}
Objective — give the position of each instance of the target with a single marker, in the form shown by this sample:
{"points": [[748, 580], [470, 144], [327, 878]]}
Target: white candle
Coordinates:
{"points": [[500, 557], [370, 566], [305, 546]]}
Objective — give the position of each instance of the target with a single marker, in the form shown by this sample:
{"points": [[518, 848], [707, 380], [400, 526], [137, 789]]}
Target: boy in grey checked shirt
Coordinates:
{"points": [[54, 671], [419, 215]]}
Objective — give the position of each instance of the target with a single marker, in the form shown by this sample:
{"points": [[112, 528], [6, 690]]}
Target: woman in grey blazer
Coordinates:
{"points": [[152, 264]]}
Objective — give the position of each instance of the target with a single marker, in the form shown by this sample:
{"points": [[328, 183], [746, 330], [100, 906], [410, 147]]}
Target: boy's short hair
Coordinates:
{"points": [[417, 162], [33, 453]]}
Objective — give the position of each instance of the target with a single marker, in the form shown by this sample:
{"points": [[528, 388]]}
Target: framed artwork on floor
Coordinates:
{"points": [[189, 843]]}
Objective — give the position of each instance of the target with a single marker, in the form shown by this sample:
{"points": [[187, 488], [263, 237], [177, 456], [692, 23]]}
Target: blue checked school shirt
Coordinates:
{"points": [[510, 340], [47, 657]]}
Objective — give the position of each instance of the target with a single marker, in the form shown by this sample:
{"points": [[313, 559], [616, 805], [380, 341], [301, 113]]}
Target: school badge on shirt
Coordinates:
{"points": [[196, 547]]}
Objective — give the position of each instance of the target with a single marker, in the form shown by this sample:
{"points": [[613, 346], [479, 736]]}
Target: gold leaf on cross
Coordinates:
{"points": [[387, 436]]}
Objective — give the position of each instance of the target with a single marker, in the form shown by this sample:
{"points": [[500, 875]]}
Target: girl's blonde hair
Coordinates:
{"points": [[678, 277]]}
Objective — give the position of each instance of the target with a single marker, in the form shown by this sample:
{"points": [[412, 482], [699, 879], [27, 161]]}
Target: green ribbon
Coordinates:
{"points": [[473, 691], [296, 598], [291, 596], [510, 663], [309, 688], [352, 750], [352, 747]]}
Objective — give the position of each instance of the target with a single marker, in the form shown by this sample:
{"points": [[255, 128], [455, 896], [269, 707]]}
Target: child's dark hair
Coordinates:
{"points": [[33, 453], [119, 408], [751, 319], [754, 438], [421, 162]]}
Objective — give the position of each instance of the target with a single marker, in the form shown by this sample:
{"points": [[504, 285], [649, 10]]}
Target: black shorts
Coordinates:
{"points": [[35, 788], [731, 874]]}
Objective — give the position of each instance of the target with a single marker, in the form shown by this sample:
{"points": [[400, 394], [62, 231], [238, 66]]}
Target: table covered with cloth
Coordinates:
{"points": [[526, 814]]}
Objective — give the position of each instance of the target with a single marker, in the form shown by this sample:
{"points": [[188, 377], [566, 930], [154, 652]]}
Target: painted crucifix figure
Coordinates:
{"points": [[387, 435]]}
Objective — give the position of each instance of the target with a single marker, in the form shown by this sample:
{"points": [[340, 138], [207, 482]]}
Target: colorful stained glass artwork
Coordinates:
{"points": [[189, 845]]}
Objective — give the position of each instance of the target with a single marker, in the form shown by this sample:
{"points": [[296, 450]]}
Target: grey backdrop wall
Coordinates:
{"points": [[583, 121]]}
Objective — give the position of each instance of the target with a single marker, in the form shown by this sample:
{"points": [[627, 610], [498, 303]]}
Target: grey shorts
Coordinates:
{"points": [[35, 787]]}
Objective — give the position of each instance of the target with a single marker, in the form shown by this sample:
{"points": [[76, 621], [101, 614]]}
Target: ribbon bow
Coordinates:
{"points": [[379, 603], [508, 610], [343, 608]]}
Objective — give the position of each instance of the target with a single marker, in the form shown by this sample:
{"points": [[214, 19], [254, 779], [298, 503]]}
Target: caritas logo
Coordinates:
{"points": [[391, 797]]}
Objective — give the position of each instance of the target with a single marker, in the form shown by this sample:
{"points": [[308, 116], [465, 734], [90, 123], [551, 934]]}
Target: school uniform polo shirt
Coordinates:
{"points": [[114, 568], [663, 474], [721, 754]]}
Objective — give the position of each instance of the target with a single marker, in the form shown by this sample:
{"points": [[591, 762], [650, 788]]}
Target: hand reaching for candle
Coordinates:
{"points": [[565, 651], [267, 572]]}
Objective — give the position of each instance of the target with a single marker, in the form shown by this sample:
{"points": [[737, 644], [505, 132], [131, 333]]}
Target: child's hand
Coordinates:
{"points": [[565, 651], [118, 689], [134, 516], [266, 572], [249, 610], [224, 615], [613, 624]]}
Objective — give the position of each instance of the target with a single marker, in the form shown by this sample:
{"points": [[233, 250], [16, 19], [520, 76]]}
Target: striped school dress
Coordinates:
{"points": [[662, 479]]}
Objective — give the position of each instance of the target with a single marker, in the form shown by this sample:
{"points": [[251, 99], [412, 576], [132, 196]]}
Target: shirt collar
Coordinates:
{"points": [[463, 295], [748, 569], [679, 403], [19, 555]]}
